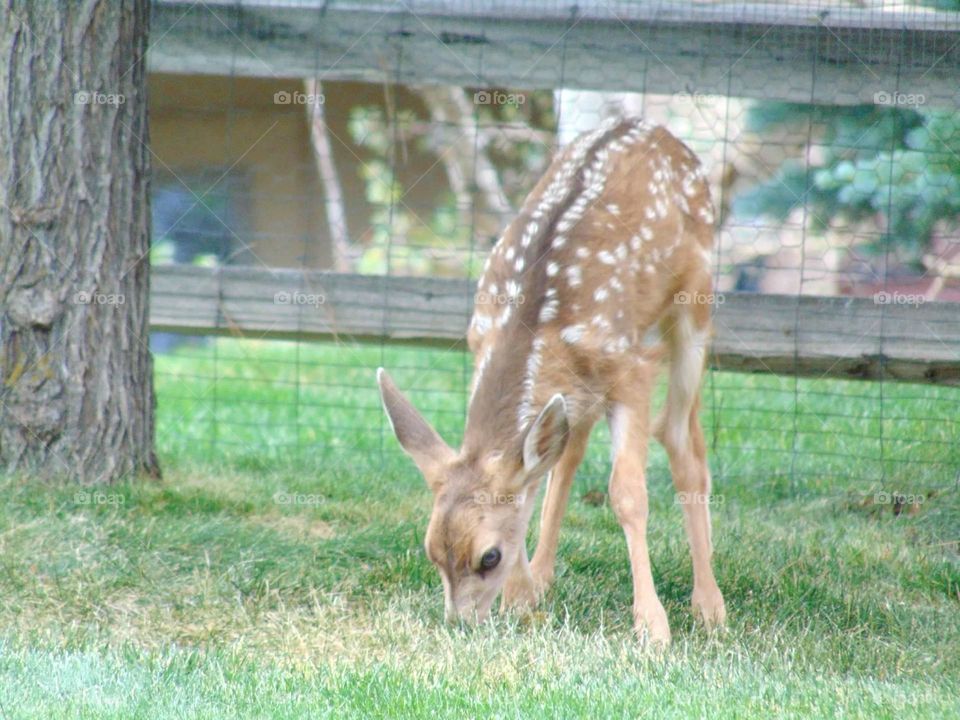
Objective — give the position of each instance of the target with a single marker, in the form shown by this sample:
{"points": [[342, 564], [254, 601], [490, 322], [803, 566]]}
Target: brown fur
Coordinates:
{"points": [[617, 229]]}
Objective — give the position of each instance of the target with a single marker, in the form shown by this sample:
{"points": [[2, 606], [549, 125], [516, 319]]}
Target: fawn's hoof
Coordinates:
{"points": [[542, 579], [519, 593], [651, 625], [708, 606]]}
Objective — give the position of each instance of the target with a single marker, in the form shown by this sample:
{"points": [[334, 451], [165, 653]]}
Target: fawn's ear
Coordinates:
{"points": [[420, 441], [546, 438]]}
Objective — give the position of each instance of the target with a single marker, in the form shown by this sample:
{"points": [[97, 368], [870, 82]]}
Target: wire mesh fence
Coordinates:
{"points": [[397, 139]]}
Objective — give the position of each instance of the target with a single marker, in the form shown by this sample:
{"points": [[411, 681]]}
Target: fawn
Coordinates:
{"points": [[615, 239]]}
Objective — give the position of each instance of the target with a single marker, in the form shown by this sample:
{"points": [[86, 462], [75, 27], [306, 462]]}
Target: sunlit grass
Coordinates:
{"points": [[283, 576]]}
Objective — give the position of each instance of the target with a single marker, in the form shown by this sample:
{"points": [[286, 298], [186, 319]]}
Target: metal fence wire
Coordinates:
{"points": [[319, 163]]}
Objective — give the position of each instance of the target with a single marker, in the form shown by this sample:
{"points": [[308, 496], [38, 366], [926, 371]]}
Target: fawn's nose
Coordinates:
{"points": [[470, 617], [467, 613]]}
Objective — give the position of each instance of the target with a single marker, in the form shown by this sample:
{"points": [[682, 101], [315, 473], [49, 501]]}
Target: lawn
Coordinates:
{"points": [[277, 570]]}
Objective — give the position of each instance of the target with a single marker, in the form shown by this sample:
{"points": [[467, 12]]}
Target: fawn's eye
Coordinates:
{"points": [[490, 559]]}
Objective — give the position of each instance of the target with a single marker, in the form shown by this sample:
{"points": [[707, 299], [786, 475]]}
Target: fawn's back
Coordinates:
{"points": [[618, 228]]}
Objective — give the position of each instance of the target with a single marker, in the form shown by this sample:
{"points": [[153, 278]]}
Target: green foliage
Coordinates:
{"points": [[272, 402], [520, 161], [897, 167], [161, 252], [429, 243]]}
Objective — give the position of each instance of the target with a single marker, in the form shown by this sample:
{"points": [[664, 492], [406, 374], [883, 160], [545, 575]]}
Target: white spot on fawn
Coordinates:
{"points": [[525, 410], [548, 311], [481, 366], [572, 333], [481, 323], [504, 316]]}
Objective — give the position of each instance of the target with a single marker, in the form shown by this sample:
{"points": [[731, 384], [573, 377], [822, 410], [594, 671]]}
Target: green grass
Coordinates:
{"points": [[257, 403], [207, 595]]}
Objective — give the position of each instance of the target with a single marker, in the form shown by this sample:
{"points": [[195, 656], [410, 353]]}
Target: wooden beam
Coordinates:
{"points": [[260, 302], [838, 337], [772, 51], [808, 336]]}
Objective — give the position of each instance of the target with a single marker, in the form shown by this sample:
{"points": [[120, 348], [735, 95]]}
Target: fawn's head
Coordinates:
{"points": [[482, 499]]}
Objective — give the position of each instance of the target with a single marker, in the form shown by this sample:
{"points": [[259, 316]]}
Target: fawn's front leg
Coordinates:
{"points": [[519, 591], [554, 506]]}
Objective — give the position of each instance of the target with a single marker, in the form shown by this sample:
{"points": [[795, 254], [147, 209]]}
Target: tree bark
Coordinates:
{"points": [[76, 379]]}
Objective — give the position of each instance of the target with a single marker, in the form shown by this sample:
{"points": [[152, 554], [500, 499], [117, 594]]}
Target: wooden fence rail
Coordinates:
{"points": [[841, 54], [809, 336]]}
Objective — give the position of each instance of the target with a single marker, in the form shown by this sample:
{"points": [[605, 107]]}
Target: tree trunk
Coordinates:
{"points": [[469, 168], [76, 380], [329, 177]]}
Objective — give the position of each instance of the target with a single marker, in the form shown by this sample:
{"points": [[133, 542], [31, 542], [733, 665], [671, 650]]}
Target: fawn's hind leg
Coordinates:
{"points": [[678, 430], [629, 418]]}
